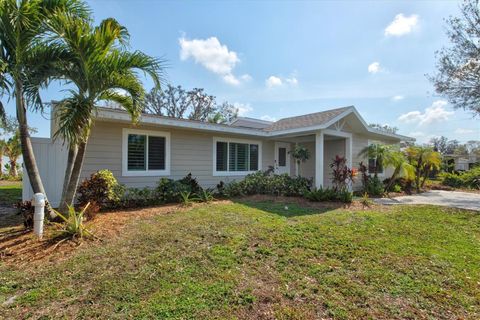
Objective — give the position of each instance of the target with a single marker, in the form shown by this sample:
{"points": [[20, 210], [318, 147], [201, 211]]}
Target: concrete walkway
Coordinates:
{"points": [[453, 199]]}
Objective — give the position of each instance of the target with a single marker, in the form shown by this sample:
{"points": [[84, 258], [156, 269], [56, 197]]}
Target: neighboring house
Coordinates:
{"points": [[139, 155], [461, 162]]}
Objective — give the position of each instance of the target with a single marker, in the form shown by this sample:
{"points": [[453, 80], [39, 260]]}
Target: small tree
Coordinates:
{"points": [[300, 154], [424, 160], [401, 168]]}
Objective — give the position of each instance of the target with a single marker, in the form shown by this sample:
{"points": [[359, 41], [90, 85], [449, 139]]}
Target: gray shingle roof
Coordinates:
{"points": [[307, 120]]}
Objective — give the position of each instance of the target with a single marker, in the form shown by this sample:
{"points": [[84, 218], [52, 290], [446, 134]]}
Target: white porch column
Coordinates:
{"points": [[319, 159]]}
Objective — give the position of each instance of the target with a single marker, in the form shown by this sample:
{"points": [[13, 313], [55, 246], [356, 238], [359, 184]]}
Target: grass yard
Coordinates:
{"points": [[10, 192], [263, 260]]}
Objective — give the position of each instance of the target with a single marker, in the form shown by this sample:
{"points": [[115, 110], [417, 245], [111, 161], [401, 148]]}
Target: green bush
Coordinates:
{"points": [[374, 186], [266, 183], [468, 179], [328, 194], [101, 190]]}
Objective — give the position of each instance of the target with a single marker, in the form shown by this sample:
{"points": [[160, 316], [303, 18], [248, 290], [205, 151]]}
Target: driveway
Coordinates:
{"points": [[453, 199]]}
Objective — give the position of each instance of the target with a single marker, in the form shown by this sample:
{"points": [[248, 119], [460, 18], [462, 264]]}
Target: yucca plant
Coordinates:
{"points": [[187, 198], [73, 226], [206, 195]]}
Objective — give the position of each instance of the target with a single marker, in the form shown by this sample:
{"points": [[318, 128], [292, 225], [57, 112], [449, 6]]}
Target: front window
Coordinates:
{"points": [[232, 157], [145, 153]]}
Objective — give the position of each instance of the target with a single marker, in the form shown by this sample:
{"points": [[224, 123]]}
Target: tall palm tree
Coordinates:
{"points": [[100, 68], [13, 150], [25, 61]]}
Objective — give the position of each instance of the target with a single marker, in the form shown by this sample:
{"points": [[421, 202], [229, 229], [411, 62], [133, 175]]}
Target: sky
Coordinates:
{"points": [[275, 59]]}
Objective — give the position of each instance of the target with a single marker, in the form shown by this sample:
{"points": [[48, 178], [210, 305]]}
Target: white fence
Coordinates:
{"points": [[51, 159]]}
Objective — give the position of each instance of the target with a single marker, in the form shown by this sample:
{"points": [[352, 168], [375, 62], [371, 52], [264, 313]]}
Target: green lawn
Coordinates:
{"points": [[263, 261], [10, 192]]}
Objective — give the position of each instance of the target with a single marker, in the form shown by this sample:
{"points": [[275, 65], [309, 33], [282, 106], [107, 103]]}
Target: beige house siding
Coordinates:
{"points": [[191, 151]]}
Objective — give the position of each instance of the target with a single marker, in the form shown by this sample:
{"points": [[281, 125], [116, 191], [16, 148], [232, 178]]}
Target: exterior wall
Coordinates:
{"points": [[331, 149], [191, 151]]}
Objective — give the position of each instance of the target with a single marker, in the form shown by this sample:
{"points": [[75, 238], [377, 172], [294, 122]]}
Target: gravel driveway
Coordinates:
{"points": [[453, 199]]}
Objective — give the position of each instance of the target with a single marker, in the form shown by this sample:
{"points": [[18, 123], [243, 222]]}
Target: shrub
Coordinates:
{"points": [[468, 179], [26, 209], [366, 201], [265, 183], [135, 197], [73, 224], [100, 190], [169, 190], [328, 194], [190, 183], [206, 195], [342, 175], [374, 186], [187, 198]]}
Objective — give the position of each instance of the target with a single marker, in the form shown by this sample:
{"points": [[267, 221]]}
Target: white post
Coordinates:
{"points": [[319, 159], [39, 214]]}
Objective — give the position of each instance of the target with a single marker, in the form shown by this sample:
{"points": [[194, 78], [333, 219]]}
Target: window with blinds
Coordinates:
{"points": [[236, 157], [146, 152]]}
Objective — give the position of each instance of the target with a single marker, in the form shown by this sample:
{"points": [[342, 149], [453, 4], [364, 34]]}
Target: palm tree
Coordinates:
{"points": [[25, 61], [377, 152], [100, 69], [13, 150], [401, 168], [424, 160]]}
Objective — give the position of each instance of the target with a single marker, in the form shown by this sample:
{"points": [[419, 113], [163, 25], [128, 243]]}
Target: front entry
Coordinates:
{"points": [[282, 158]]}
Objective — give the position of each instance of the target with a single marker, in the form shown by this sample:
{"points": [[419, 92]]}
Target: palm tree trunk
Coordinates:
{"points": [[75, 175], [27, 150], [13, 168], [72, 154], [392, 179]]}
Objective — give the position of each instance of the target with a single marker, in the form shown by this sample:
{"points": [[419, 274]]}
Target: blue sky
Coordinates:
{"points": [[278, 59]]}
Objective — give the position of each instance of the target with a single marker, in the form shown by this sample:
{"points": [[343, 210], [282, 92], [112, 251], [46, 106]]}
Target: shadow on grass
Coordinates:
{"points": [[287, 206]]}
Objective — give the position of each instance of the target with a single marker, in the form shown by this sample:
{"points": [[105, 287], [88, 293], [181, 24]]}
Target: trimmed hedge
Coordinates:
{"points": [[266, 183]]}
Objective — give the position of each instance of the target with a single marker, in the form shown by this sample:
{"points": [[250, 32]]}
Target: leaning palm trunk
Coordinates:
{"points": [[72, 154], [27, 149], [392, 180], [75, 174]]}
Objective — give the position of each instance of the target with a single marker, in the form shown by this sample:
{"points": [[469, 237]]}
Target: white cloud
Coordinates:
{"points": [[292, 80], [246, 77], [401, 25], [417, 134], [268, 118], [374, 67], [243, 108], [435, 113], [398, 98], [464, 131], [273, 81], [214, 56]]}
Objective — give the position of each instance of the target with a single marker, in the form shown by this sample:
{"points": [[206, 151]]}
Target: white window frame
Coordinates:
{"points": [[137, 173], [379, 174], [234, 173]]}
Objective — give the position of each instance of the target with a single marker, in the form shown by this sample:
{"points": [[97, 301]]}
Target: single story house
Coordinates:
{"points": [[139, 155]]}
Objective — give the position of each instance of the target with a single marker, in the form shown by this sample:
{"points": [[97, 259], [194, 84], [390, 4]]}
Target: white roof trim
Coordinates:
{"points": [[111, 114]]}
